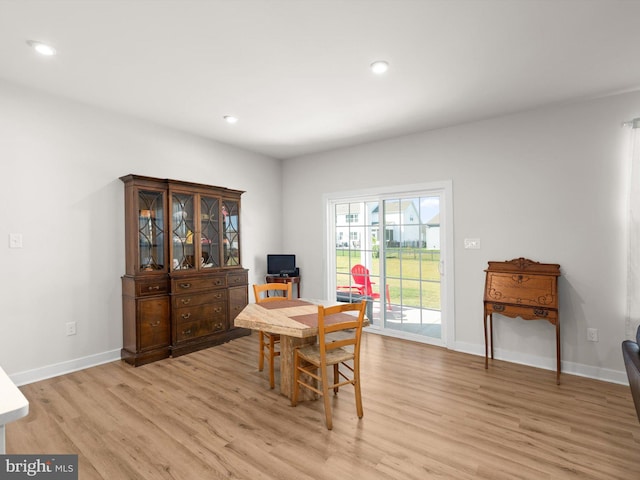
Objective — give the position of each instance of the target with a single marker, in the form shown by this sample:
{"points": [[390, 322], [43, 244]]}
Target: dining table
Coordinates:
{"points": [[296, 321]]}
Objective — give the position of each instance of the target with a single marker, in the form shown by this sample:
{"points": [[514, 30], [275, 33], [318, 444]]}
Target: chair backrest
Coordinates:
{"points": [[260, 290], [631, 355], [336, 319], [361, 277]]}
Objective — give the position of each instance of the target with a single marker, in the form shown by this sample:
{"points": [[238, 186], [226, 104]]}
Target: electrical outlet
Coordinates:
{"points": [[592, 334], [71, 328]]}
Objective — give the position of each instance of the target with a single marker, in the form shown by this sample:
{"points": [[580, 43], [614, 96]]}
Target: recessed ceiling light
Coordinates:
{"points": [[379, 67], [42, 48], [230, 119]]}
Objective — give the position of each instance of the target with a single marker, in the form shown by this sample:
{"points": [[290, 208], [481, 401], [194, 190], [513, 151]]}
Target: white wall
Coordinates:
{"points": [[59, 166], [549, 185]]}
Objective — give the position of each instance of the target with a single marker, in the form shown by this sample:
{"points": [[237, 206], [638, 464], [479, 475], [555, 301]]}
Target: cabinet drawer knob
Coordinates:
{"points": [[185, 301], [154, 324], [185, 285], [186, 332], [186, 316], [498, 307], [151, 288], [218, 310], [540, 312], [218, 281]]}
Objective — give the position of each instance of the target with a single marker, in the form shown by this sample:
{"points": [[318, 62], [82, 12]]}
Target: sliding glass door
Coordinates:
{"points": [[388, 249]]}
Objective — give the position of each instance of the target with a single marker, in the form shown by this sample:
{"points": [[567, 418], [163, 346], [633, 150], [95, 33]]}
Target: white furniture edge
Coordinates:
{"points": [[13, 405]]}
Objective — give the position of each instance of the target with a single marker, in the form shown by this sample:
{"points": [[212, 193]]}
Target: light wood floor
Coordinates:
{"points": [[428, 413]]}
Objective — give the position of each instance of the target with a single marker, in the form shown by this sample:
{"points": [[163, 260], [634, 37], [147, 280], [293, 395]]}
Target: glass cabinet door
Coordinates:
{"points": [[205, 232], [183, 230], [231, 233], [151, 231], [209, 232]]}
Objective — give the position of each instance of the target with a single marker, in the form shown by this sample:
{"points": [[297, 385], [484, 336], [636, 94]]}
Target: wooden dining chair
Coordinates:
{"points": [[268, 341], [330, 351]]}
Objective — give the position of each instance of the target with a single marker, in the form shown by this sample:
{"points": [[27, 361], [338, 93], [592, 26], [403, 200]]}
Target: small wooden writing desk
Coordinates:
{"points": [[297, 323], [279, 279], [13, 405], [521, 288]]}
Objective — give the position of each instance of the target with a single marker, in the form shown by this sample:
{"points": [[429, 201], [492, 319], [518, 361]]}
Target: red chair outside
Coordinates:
{"points": [[363, 283]]}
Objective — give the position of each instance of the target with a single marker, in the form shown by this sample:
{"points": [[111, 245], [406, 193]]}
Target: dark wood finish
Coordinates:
{"points": [[173, 307], [147, 326], [521, 288], [203, 309], [279, 279], [208, 415]]}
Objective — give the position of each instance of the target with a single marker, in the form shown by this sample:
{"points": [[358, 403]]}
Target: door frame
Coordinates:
{"points": [[445, 189]]}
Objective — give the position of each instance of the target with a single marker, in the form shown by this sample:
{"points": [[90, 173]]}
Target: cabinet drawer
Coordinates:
{"points": [[153, 323], [238, 299], [524, 312], [184, 285], [151, 287], [199, 328], [192, 300], [237, 279], [212, 311]]}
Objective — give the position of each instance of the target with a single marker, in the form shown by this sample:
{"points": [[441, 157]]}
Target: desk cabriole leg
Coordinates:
{"points": [[486, 342], [491, 333], [558, 351]]}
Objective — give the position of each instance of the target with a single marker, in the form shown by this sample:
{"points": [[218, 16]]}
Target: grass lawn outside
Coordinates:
{"points": [[412, 274]]}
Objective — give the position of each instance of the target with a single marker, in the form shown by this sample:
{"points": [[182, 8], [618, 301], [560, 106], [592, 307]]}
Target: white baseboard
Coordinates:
{"points": [[49, 371], [604, 374]]}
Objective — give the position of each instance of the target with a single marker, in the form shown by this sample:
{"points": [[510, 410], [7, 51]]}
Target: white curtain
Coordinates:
{"points": [[633, 253]]}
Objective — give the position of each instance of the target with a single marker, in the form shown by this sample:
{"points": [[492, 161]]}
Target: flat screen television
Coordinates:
{"points": [[281, 264]]}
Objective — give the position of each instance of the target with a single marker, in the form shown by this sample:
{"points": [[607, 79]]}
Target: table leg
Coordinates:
{"points": [[287, 347]]}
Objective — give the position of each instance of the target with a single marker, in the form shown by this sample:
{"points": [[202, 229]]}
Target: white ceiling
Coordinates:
{"points": [[296, 72]]}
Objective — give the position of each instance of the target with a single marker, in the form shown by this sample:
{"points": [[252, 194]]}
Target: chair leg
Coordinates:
{"points": [[295, 386], [325, 396], [356, 385], [336, 378], [271, 360], [261, 358]]}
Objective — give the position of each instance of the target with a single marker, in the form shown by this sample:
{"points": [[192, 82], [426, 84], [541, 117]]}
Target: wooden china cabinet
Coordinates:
{"points": [[184, 283]]}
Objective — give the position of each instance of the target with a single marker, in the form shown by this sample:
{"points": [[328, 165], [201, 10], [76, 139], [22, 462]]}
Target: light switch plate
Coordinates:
{"points": [[473, 243], [15, 240]]}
